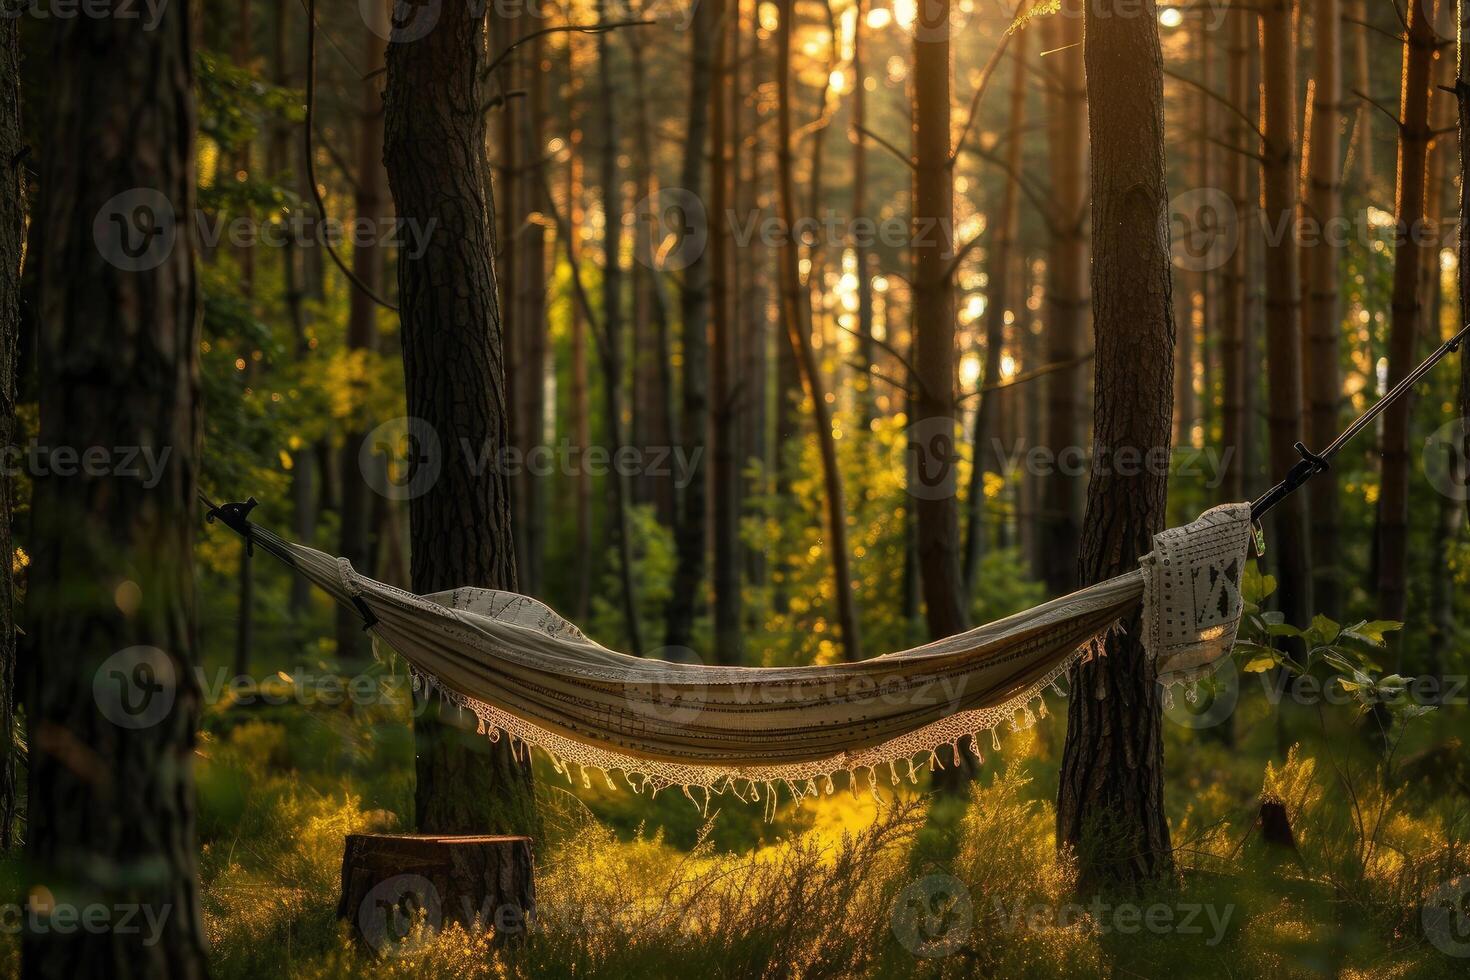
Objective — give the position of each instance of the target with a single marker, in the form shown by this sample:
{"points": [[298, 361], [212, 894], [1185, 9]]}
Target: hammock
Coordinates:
{"points": [[527, 673]]}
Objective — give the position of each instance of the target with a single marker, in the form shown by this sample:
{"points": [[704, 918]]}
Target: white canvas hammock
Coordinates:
{"points": [[523, 670]]}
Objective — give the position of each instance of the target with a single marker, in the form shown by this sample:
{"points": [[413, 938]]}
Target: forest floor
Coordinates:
{"points": [[847, 886]]}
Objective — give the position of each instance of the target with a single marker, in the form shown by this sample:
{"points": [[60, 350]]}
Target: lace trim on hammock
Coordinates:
{"points": [[903, 756]]}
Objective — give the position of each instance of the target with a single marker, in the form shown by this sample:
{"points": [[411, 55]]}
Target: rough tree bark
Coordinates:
{"points": [[1321, 253], [1067, 299], [459, 518], [1283, 303], [1110, 803], [112, 702], [798, 329], [1410, 253]]}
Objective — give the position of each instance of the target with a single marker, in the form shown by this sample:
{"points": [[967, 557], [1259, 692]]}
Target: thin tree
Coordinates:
{"points": [[861, 249], [528, 240], [12, 247], [1235, 307], [1067, 299], [695, 310], [1110, 804], [112, 703], [454, 372], [724, 486], [1462, 267], [371, 201], [936, 508], [1283, 301], [1407, 302], [580, 421], [1001, 292], [610, 342], [798, 329], [1321, 253]]}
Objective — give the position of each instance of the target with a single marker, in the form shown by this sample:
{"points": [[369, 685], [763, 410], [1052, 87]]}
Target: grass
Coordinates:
{"points": [[845, 887]]}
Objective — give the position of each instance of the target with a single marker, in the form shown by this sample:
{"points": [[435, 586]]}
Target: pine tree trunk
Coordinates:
{"points": [[936, 507], [1283, 304], [12, 247], [580, 421], [112, 703], [1462, 266], [1235, 333], [355, 543], [1409, 255], [798, 328], [1006, 225], [1324, 317], [1067, 301], [611, 347], [724, 474], [694, 304], [1110, 804], [459, 521], [529, 242], [866, 347]]}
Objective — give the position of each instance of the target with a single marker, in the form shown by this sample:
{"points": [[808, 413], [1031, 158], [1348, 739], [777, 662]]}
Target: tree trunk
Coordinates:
{"points": [[725, 474], [355, 543], [1001, 292], [932, 438], [1110, 805], [1409, 254], [112, 704], [580, 421], [1324, 309], [12, 247], [1236, 424], [695, 309], [1067, 301], [459, 522], [798, 329], [1462, 266], [1283, 304], [866, 347], [529, 242], [611, 347], [479, 883], [303, 483]]}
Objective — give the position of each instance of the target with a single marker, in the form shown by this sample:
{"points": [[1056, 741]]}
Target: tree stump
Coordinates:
{"points": [[392, 882]]}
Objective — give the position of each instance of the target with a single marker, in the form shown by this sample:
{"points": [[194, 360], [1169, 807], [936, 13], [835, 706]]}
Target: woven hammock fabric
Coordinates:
{"points": [[523, 670]]}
